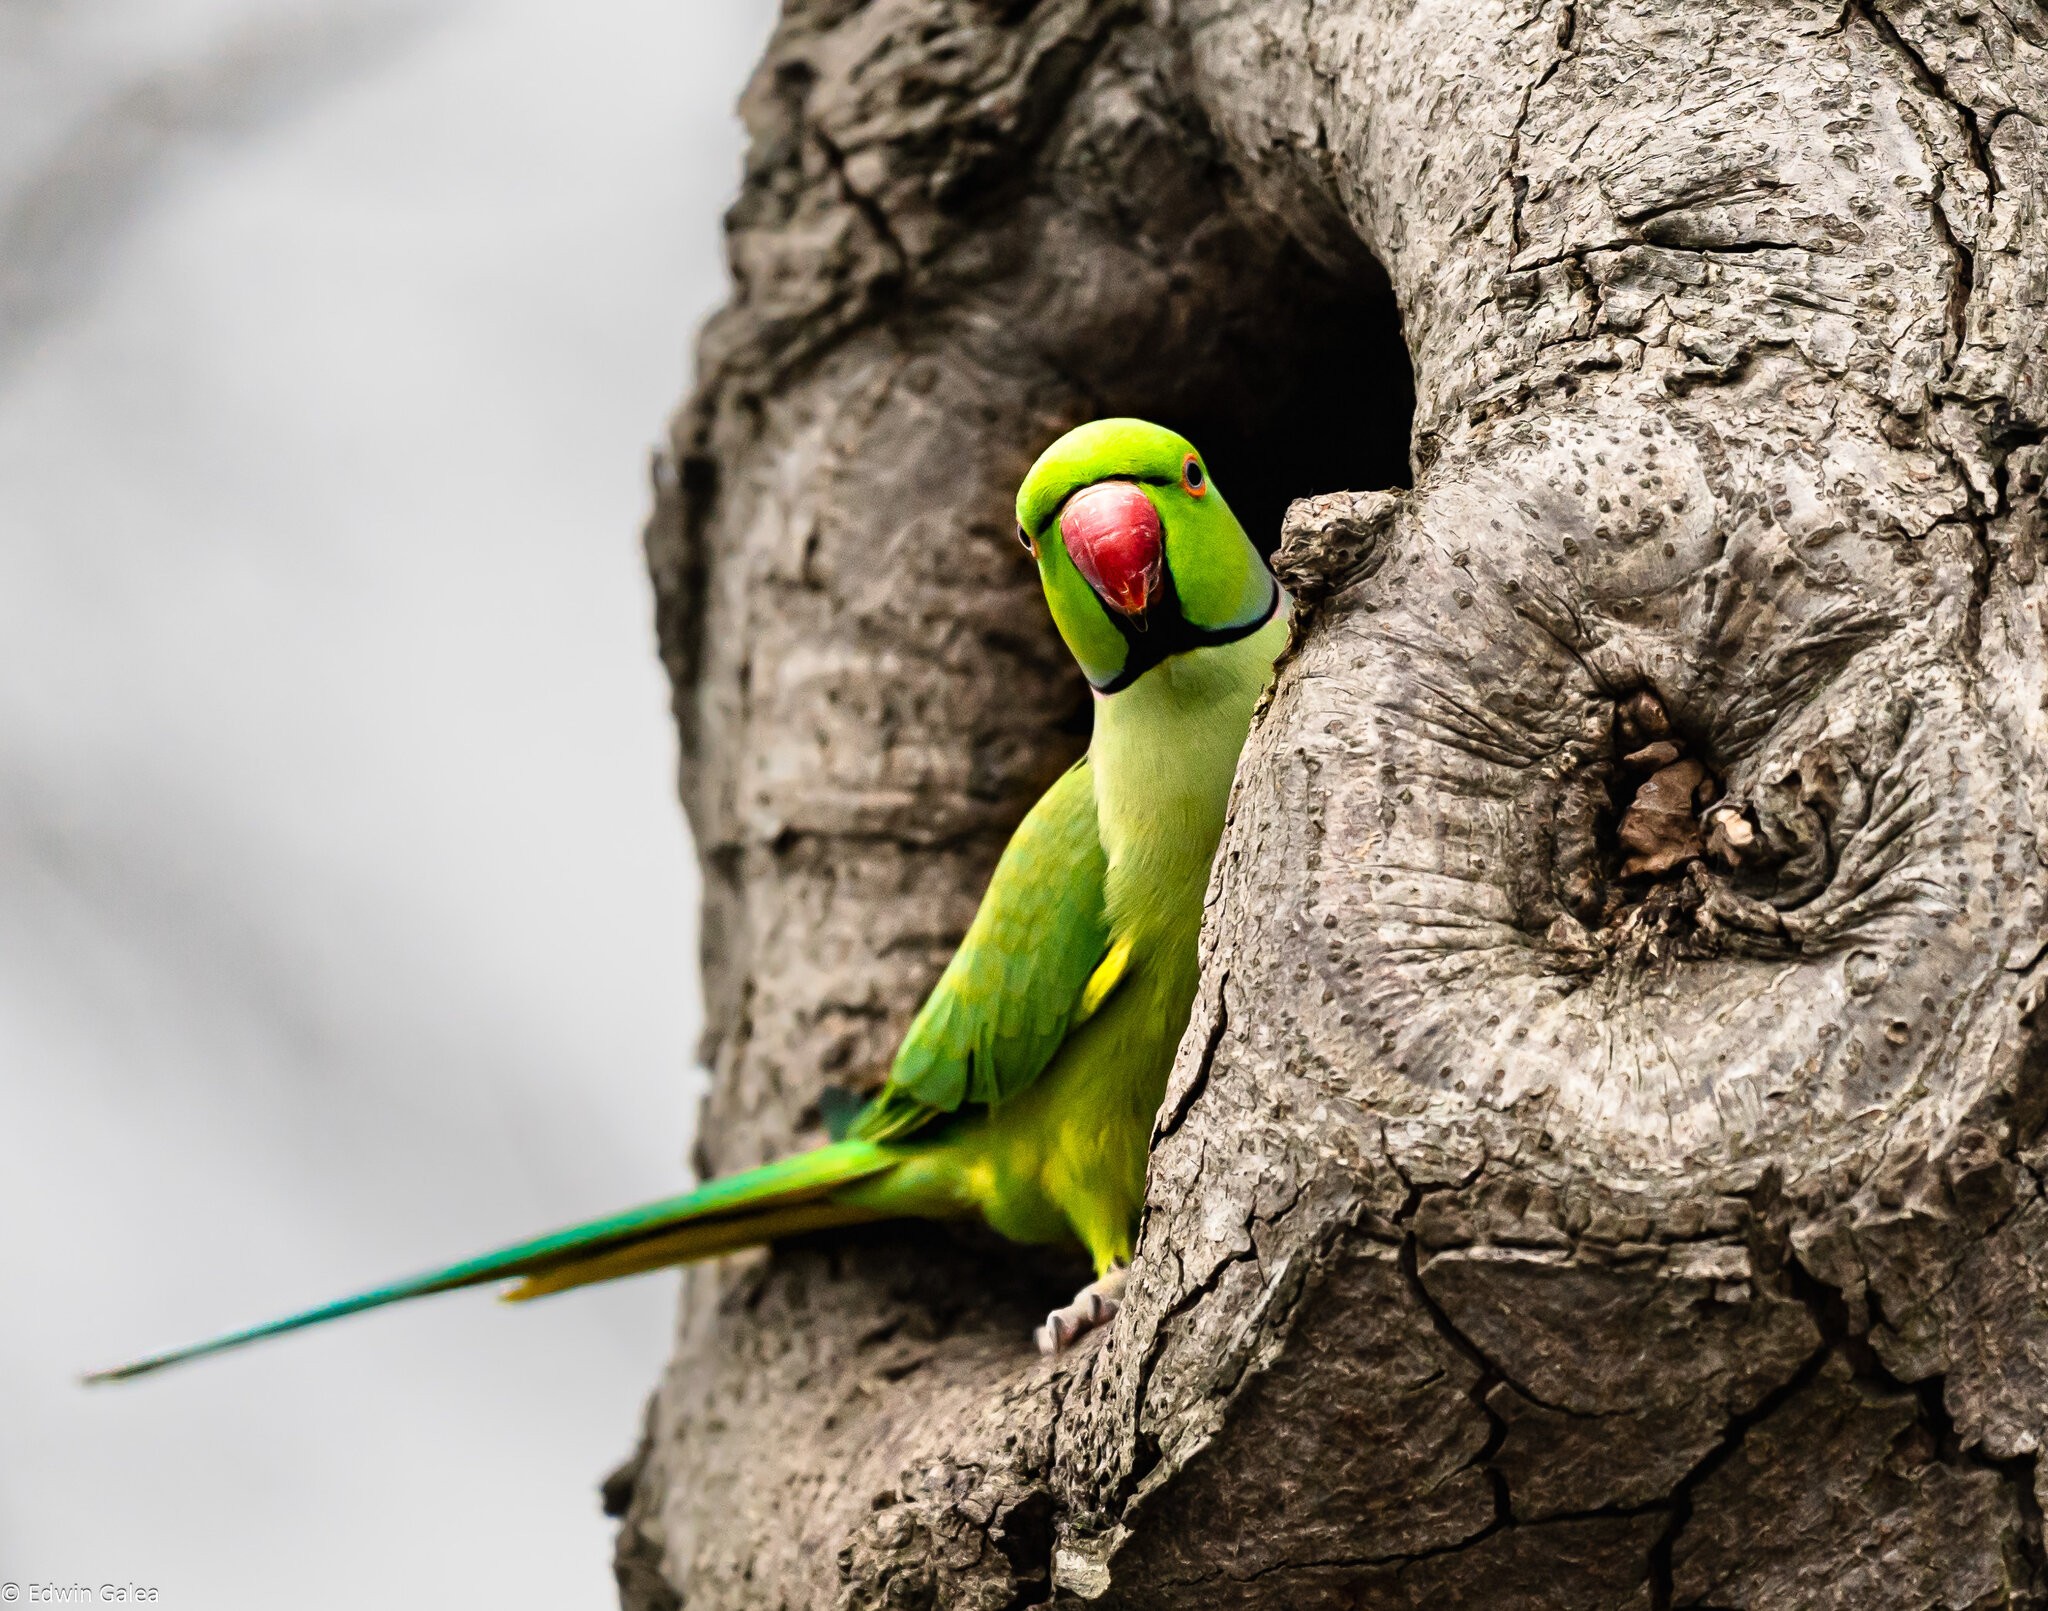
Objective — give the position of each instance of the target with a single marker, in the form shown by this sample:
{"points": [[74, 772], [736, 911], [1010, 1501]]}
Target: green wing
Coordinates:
{"points": [[1017, 984]]}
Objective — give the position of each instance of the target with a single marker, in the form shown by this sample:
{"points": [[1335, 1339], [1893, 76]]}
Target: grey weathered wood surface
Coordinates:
{"points": [[1506, 1245]]}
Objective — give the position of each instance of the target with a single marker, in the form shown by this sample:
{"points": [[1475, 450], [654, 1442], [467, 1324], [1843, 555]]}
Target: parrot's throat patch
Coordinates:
{"points": [[1162, 631]]}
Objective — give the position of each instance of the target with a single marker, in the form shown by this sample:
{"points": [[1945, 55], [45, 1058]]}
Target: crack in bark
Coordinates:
{"points": [[867, 205], [1198, 1082], [1965, 280], [786, 839], [1490, 1376], [1937, 85], [1660, 1568], [1518, 183], [1149, 1455], [1828, 1306], [1578, 254], [1828, 1310]]}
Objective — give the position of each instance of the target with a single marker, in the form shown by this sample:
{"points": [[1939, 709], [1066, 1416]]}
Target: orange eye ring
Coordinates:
{"points": [[1191, 477], [1024, 540]]}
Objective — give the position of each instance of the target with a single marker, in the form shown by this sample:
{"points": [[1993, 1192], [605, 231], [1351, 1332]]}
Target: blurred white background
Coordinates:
{"points": [[345, 911]]}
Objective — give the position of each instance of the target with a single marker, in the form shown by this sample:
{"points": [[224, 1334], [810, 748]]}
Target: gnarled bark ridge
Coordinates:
{"points": [[1559, 1202]]}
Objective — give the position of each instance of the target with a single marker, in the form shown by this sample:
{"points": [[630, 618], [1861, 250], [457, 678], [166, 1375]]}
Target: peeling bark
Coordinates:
{"points": [[1529, 1225]]}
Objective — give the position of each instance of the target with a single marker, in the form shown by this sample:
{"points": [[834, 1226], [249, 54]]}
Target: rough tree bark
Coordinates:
{"points": [[1521, 1232]]}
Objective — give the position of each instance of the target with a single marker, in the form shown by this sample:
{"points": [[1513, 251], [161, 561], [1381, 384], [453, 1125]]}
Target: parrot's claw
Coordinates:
{"points": [[1094, 1305]]}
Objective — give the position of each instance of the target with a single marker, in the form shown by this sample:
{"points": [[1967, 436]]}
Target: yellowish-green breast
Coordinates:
{"points": [[1067, 1156]]}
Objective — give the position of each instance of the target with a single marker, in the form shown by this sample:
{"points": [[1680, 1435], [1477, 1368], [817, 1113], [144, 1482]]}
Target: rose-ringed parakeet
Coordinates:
{"points": [[1025, 1089]]}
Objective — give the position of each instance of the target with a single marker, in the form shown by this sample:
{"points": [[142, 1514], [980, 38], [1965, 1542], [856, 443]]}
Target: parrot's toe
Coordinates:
{"points": [[1094, 1305]]}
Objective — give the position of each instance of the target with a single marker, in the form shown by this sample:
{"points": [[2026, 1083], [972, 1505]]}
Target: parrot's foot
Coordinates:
{"points": [[1094, 1305]]}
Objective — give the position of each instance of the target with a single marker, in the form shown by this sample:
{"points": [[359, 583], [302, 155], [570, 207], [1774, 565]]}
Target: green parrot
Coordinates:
{"points": [[1026, 1087]]}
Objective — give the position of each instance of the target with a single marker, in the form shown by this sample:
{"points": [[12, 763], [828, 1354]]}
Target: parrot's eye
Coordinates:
{"points": [[1024, 537], [1192, 478]]}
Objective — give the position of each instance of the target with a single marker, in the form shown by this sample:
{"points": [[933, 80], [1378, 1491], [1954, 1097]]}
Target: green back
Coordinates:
{"points": [[1013, 989]]}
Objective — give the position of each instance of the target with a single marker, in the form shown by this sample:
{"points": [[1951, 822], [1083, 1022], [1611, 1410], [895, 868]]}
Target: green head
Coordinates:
{"points": [[1140, 556]]}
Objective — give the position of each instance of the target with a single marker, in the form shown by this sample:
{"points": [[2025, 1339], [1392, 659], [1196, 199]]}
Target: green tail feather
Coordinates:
{"points": [[737, 1211]]}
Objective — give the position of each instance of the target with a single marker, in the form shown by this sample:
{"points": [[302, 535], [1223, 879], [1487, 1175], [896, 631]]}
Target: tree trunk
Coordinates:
{"points": [[1560, 1201]]}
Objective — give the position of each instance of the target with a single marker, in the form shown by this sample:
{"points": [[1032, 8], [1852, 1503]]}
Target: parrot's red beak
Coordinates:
{"points": [[1114, 538]]}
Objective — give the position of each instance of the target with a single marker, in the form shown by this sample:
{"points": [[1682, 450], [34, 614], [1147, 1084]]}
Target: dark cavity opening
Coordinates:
{"points": [[1297, 384]]}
